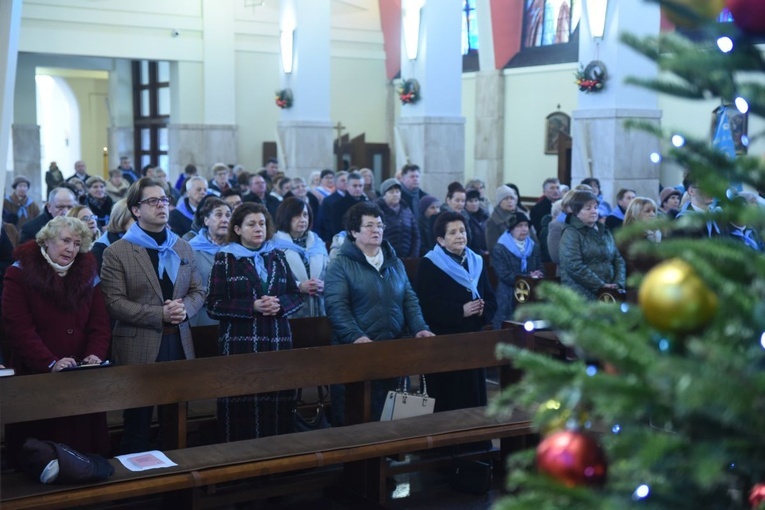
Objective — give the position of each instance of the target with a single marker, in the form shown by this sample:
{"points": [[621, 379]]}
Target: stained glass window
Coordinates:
{"points": [[547, 22], [469, 27]]}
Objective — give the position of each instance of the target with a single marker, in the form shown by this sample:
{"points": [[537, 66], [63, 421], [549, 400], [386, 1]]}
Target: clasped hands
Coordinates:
{"points": [[70, 362], [267, 305], [474, 307], [173, 311], [312, 286]]}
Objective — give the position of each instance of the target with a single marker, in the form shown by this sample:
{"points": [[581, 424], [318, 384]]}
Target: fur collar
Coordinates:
{"points": [[67, 293]]}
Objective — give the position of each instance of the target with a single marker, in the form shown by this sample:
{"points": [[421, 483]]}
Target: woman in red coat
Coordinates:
{"points": [[55, 317]]}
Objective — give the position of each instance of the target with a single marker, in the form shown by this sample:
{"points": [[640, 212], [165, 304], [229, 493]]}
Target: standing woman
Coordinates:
{"points": [[369, 297], [98, 201], [216, 215], [119, 223], [252, 292], [589, 259], [85, 215], [54, 317], [506, 202], [305, 251], [455, 297], [514, 254]]}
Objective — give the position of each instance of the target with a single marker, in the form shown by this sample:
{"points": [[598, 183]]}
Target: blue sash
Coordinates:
{"points": [[456, 271], [200, 242], [240, 252], [508, 242], [169, 260]]}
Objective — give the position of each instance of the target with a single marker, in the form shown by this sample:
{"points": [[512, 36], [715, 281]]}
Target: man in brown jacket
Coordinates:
{"points": [[152, 287]]}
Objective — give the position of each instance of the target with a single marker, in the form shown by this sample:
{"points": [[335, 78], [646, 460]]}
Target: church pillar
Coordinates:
{"points": [[120, 132], [304, 132], [26, 132], [10, 22], [489, 106], [203, 97], [432, 131], [602, 146]]}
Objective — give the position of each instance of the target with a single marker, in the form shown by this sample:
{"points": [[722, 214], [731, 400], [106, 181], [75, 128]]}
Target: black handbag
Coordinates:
{"points": [[312, 418]]}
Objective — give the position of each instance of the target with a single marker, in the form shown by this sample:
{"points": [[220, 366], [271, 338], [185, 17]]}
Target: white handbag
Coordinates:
{"points": [[401, 404]]}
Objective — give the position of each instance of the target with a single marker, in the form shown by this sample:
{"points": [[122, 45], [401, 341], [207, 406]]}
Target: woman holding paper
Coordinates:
{"points": [[455, 296], [55, 318]]}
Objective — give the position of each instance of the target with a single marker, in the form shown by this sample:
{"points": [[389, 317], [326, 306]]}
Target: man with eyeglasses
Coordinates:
{"points": [[152, 287], [60, 202]]}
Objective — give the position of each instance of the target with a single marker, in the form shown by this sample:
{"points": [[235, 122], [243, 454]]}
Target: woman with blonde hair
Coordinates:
{"points": [[55, 318], [119, 223], [639, 210], [85, 215]]}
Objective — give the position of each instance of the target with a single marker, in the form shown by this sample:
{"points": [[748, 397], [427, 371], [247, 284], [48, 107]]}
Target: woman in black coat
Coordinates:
{"points": [[452, 304]]}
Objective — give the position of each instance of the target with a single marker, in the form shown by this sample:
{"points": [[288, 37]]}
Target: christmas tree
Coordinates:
{"points": [[665, 407]]}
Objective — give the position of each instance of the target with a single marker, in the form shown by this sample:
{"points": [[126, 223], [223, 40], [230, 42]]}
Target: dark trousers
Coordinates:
{"points": [[136, 423]]}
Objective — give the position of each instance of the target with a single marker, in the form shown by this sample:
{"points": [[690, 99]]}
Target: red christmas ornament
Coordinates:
{"points": [[573, 459], [748, 15], [757, 496]]}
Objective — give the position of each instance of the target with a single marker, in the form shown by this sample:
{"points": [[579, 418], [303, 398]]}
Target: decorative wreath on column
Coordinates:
{"points": [[409, 91], [284, 98], [591, 78]]}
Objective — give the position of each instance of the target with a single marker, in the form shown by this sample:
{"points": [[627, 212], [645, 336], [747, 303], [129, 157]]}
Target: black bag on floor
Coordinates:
{"points": [[471, 476], [313, 418]]}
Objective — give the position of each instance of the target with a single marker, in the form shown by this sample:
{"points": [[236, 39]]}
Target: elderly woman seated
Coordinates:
{"points": [[55, 318]]}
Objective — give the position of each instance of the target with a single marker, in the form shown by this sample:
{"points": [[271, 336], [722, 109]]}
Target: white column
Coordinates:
{"points": [[602, 147], [305, 130], [10, 22], [121, 141], [433, 130]]}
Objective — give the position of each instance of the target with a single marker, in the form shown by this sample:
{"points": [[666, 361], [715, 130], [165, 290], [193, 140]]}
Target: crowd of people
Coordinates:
{"points": [[126, 267]]}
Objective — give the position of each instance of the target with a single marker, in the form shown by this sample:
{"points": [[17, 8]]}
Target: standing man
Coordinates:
{"points": [[182, 216], [60, 202], [126, 168], [410, 191], [551, 191], [18, 207], [258, 194], [79, 172], [699, 204], [272, 168], [323, 224], [152, 287], [354, 193]]}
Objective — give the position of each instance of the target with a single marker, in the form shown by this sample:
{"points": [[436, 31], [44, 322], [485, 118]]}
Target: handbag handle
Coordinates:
{"points": [[402, 385]]}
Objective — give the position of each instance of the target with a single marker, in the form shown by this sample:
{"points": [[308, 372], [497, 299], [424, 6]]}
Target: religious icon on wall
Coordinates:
{"points": [[555, 123], [730, 125]]}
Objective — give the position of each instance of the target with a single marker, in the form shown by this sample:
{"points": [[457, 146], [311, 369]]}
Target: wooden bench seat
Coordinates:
{"points": [[213, 464], [359, 446]]}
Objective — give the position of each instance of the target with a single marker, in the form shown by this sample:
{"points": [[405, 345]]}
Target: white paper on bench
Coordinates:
{"points": [[145, 460]]}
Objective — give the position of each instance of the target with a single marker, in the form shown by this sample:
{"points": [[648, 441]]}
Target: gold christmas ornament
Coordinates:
{"points": [[674, 299], [706, 10]]}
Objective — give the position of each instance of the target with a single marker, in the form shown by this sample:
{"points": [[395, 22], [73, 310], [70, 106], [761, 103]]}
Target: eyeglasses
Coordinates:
{"points": [[88, 218], [154, 201], [374, 226]]}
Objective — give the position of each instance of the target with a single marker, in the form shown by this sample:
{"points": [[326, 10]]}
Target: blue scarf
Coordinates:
{"points": [[317, 248], [562, 217], [104, 239], [202, 243], [617, 211], [456, 271], [184, 208], [169, 260], [240, 252], [23, 213], [508, 242], [746, 236]]}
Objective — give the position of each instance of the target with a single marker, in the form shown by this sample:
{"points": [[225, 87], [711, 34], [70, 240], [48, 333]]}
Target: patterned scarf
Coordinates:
{"points": [[169, 260], [240, 252], [508, 242], [466, 277]]}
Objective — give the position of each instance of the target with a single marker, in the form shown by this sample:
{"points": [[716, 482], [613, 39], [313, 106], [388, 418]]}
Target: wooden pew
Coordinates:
{"points": [[201, 468]]}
